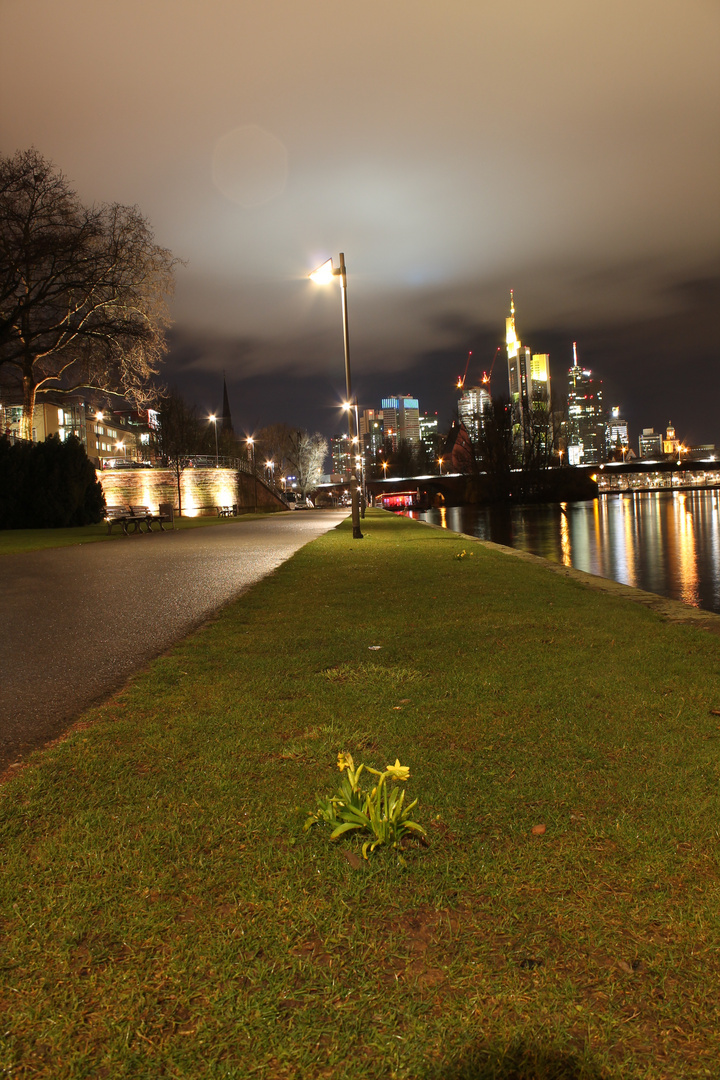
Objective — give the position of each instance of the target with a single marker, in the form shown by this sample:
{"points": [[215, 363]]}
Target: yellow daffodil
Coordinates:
{"points": [[345, 761], [400, 772]]}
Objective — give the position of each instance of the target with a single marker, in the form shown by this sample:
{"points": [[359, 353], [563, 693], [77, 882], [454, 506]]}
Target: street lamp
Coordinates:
{"points": [[323, 275], [251, 444], [440, 463], [213, 421]]}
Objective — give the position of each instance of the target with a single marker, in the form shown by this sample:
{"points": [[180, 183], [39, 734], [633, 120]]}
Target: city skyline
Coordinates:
{"points": [[261, 141]]}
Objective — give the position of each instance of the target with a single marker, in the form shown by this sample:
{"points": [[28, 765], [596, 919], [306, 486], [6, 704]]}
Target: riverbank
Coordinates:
{"points": [[164, 913], [664, 542]]}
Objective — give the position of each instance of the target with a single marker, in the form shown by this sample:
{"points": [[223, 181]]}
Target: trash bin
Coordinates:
{"points": [[168, 510]]}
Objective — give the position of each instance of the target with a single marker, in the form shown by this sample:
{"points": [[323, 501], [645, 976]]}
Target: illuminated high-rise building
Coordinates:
{"points": [[342, 456], [529, 379], [585, 432], [474, 407], [617, 440], [401, 419], [371, 434]]}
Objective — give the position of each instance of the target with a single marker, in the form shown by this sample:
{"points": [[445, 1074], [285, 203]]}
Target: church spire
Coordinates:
{"points": [[226, 417]]}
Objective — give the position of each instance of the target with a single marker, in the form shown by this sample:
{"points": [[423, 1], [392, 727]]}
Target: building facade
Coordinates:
{"points": [[401, 420], [474, 408], [109, 438], [585, 433], [650, 443], [371, 435], [529, 382], [617, 439]]}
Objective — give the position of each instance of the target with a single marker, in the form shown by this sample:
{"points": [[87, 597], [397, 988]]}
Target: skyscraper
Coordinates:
{"points": [[473, 408], [617, 440], [529, 379], [371, 434], [585, 429], [401, 419]]}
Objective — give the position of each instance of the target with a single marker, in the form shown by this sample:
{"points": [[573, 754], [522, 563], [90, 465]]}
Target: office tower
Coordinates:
{"points": [[429, 434], [585, 432], [371, 434], [617, 441], [650, 443], [342, 458], [474, 408], [401, 420], [529, 379]]}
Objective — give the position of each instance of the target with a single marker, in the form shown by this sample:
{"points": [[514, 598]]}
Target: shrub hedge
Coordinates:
{"points": [[48, 485]]}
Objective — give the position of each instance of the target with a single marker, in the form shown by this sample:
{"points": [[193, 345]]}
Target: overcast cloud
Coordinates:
{"points": [[568, 150]]}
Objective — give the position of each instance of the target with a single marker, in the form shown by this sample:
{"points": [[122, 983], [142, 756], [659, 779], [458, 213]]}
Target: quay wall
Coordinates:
{"points": [[201, 489]]}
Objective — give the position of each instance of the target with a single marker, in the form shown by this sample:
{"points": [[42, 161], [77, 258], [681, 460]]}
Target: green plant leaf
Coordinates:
{"points": [[414, 825], [347, 826]]}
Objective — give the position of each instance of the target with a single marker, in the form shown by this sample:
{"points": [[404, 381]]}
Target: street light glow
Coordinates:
{"points": [[324, 274]]}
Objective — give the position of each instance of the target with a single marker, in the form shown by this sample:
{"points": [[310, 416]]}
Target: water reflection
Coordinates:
{"points": [[665, 542]]}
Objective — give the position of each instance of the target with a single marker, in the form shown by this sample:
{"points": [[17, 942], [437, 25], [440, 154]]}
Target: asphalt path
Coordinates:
{"points": [[75, 622]]}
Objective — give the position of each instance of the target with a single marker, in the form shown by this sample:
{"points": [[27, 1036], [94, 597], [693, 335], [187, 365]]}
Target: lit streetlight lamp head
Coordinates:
{"points": [[324, 274], [212, 419]]}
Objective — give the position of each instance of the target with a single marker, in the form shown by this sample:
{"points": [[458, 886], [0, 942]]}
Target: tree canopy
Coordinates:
{"points": [[83, 290], [295, 452]]}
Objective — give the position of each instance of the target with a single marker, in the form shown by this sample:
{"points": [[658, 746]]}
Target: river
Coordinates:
{"points": [[665, 542]]}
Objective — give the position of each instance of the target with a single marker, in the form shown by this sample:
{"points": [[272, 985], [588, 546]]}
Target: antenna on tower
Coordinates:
{"points": [[512, 302]]}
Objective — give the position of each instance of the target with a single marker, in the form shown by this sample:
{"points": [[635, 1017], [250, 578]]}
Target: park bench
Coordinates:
{"points": [[227, 511], [140, 514], [117, 515]]}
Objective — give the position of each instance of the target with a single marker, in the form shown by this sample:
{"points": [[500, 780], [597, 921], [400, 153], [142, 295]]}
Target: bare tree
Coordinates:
{"points": [[277, 442], [311, 451], [82, 289], [177, 435]]}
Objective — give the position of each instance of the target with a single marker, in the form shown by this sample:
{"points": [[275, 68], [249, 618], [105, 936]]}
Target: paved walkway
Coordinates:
{"points": [[76, 622]]}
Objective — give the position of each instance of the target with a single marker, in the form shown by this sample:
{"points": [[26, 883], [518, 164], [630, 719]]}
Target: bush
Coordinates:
{"points": [[48, 485]]}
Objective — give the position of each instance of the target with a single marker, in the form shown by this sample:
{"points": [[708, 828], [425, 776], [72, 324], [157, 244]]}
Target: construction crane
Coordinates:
{"points": [[487, 375], [461, 382]]}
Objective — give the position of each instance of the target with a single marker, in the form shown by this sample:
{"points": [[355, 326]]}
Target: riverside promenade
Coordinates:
{"points": [[75, 622], [163, 912]]}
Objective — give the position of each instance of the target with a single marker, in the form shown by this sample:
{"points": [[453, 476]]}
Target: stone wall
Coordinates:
{"points": [[201, 490]]}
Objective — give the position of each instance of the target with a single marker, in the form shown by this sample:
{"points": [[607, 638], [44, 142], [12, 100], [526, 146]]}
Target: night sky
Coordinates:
{"points": [[568, 150]]}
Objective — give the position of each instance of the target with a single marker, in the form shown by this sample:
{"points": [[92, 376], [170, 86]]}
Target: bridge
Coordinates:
{"points": [[563, 483]]}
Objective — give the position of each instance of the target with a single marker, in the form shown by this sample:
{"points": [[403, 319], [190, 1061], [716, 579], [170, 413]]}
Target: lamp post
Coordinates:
{"points": [[358, 451], [322, 276], [251, 444], [440, 463], [213, 421]]}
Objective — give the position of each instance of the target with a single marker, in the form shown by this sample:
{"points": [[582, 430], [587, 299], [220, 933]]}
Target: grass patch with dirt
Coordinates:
{"points": [[162, 913]]}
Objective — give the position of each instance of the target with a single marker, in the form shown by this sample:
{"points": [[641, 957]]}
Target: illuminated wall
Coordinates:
{"points": [[202, 490]]}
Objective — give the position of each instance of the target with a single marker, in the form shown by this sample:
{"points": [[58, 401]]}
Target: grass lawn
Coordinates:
{"points": [[163, 914], [13, 541]]}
